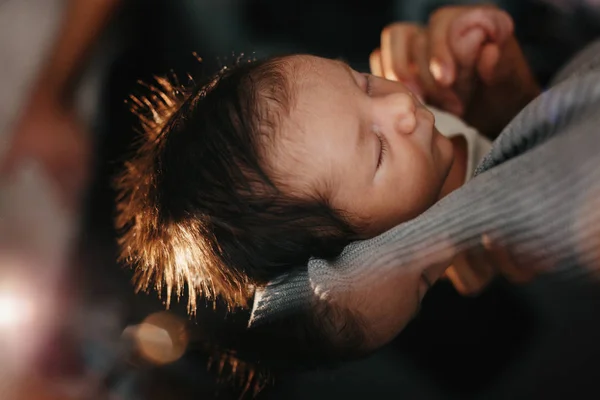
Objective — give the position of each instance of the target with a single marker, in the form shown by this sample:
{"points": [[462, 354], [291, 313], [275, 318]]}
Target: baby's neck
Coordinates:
{"points": [[458, 171]]}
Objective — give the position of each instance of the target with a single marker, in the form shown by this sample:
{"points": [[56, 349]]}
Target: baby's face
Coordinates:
{"points": [[371, 149], [363, 143]]}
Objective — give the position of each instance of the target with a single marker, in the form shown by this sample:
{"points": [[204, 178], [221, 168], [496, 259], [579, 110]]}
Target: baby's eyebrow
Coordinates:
{"points": [[362, 133]]}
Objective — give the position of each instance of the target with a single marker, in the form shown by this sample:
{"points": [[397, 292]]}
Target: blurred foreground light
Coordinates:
{"points": [[22, 329], [161, 339], [10, 313], [16, 311]]}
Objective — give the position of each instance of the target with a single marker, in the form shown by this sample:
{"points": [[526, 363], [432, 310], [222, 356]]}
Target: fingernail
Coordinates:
{"points": [[439, 72]]}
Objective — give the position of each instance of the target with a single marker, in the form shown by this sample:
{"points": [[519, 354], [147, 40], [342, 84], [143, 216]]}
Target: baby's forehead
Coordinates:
{"points": [[302, 74], [304, 67], [305, 71], [295, 157], [304, 61], [284, 89]]}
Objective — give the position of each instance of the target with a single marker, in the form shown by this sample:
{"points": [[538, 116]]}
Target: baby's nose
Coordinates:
{"points": [[402, 108]]}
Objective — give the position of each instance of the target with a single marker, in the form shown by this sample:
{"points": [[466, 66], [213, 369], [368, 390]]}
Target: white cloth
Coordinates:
{"points": [[477, 145]]}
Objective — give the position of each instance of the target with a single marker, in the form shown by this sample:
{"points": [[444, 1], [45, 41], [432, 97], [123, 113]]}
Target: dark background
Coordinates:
{"points": [[537, 341]]}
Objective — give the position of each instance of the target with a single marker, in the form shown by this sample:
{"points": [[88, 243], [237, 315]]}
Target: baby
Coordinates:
{"points": [[278, 161]]}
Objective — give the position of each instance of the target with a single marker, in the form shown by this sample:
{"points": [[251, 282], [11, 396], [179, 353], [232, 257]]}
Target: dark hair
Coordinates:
{"points": [[197, 207]]}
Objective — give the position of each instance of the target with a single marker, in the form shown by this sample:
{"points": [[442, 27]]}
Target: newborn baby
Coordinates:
{"points": [[277, 161]]}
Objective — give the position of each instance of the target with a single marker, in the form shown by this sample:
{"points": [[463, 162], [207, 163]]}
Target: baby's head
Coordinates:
{"points": [[272, 163]]}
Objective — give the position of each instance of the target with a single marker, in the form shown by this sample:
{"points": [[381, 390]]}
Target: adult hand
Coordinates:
{"points": [[473, 270], [466, 61]]}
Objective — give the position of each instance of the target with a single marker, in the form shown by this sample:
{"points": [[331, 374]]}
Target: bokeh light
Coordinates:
{"points": [[161, 338]]}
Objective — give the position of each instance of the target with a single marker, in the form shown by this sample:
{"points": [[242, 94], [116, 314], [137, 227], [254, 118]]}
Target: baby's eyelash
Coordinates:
{"points": [[383, 147], [368, 77]]}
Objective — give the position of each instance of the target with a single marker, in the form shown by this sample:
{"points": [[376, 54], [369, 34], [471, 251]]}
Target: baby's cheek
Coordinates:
{"points": [[386, 216]]}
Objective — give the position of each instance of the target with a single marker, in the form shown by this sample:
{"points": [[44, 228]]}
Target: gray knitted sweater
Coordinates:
{"points": [[537, 193]]}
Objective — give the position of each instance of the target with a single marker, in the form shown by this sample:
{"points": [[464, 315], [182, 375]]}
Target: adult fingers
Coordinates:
{"points": [[449, 25], [437, 95], [477, 36], [470, 274], [375, 63], [440, 60], [505, 263], [395, 53], [467, 51], [432, 91]]}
